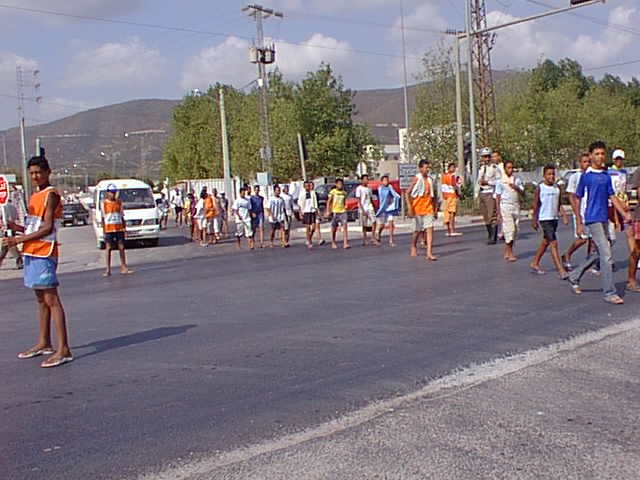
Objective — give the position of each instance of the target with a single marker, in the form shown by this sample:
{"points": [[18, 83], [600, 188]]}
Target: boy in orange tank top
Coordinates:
{"points": [[41, 260], [114, 226]]}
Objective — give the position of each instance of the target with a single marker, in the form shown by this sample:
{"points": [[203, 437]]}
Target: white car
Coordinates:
{"points": [[140, 211]]}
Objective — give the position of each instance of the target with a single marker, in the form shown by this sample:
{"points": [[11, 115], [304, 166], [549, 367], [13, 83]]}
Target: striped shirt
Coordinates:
{"points": [[277, 209]]}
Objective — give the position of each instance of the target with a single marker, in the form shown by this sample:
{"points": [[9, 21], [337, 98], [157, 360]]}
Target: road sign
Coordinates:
{"points": [[4, 190], [406, 172], [11, 177]]}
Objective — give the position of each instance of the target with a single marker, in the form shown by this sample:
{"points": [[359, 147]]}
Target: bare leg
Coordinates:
{"points": [[364, 236], [555, 255], [44, 322], [238, 243], [452, 222], [261, 232], [107, 259], [392, 231], [535, 263], [273, 236], [429, 235], [124, 268], [632, 283], [57, 315], [345, 236], [575, 246], [334, 231], [414, 243]]}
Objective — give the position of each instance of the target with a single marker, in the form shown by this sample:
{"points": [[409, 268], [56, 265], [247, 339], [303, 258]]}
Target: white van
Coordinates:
{"points": [[140, 211]]}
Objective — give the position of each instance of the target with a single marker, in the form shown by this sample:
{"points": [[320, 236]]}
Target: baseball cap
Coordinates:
{"points": [[485, 152], [112, 188], [618, 154]]}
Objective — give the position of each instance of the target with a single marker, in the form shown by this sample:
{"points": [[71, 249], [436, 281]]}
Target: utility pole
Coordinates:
{"points": [[263, 55], [460, 132], [472, 107], [143, 154], [4, 151], [26, 183], [226, 160], [301, 152], [407, 143]]}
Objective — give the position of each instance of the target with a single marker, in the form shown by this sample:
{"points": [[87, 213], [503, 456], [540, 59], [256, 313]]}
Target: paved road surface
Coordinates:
{"points": [[192, 356]]}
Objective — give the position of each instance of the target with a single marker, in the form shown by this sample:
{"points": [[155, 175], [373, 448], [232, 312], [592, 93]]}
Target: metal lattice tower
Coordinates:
{"points": [[483, 78]]}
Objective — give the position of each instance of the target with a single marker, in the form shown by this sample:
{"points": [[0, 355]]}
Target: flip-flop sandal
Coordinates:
{"points": [[537, 271], [432, 259], [614, 300], [56, 363], [105, 274], [575, 288], [128, 272], [34, 353], [564, 277], [634, 289]]}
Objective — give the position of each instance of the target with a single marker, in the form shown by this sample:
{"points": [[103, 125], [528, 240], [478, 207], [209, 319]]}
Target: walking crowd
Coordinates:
{"points": [[598, 197]]}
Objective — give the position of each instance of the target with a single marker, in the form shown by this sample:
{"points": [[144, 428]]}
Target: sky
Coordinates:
{"points": [[97, 52]]}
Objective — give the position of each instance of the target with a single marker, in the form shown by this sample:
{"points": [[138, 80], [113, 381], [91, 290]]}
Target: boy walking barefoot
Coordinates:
{"points": [[241, 210], [40, 249], [337, 205], [508, 193], [596, 186], [577, 205], [420, 197], [546, 213], [450, 188], [389, 209]]}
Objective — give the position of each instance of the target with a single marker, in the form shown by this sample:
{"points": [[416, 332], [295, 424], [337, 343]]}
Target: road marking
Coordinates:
{"points": [[449, 385]]}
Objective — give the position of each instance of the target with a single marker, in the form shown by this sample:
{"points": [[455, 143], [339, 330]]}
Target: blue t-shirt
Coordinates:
{"points": [[596, 185], [257, 205]]}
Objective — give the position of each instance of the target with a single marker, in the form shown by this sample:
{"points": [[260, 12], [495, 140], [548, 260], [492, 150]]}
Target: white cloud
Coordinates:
{"points": [[228, 62], [75, 7], [523, 45], [129, 64]]}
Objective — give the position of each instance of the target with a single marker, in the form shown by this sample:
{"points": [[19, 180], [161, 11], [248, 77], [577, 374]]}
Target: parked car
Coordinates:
{"points": [[352, 201], [74, 214]]}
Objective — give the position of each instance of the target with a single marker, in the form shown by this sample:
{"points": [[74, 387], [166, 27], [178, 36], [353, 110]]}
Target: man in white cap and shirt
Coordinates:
{"points": [[619, 180], [488, 177]]}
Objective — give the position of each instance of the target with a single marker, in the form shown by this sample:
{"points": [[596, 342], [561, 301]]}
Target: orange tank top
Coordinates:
{"points": [[449, 184], [210, 208], [47, 246], [423, 205], [112, 217]]}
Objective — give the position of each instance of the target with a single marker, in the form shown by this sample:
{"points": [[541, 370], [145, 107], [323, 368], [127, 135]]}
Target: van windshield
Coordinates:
{"points": [[133, 198]]}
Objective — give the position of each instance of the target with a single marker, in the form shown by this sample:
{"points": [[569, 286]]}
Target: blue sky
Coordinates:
{"points": [[86, 63]]}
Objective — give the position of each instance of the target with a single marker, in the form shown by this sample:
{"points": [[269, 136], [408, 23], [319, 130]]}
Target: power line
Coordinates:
{"points": [[615, 26], [154, 26], [612, 65]]}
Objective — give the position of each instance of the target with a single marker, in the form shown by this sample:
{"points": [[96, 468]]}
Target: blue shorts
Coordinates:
{"points": [[114, 238], [257, 221], [40, 273]]}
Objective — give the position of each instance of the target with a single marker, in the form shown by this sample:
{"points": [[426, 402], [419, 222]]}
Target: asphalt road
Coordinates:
{"points": [[193, 356]]}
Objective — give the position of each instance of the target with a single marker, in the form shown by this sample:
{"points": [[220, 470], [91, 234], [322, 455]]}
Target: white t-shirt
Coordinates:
{"points": [[549, 202], [364, 195], [572, 187], [242, 207], [288, 203], [508, 196], [200, 210], [277, 209], [176, 199]]}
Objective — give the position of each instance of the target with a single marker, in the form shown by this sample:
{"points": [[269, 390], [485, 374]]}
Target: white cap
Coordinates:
{"points": [[618, 154], [485, 152]]}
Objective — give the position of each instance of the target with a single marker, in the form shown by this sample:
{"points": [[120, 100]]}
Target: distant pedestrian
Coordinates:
{"points": [[40, 248], [634, 257], [191, 210], [289, 211], [201, 217], [163, 208], [308, 202], [9, 216], [337, 208], [508, 193], [276, 212], [450, 188], [211, 213], [257, 214], [177, 201], [577, 206], [546, 213], [388, 209], [114, 227], [241, 210], [596, 186], [488, 177], [367, 213], [421, 202], [224, 214], [318, 229]]}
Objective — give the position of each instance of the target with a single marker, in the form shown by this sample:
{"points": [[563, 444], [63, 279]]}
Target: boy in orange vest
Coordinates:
{"points": [[421, 201], [450, 188], [114, 228], [40, 249]]}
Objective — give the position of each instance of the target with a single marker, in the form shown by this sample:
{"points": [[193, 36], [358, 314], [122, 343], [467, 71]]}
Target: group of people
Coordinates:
{"points": [[600, 204]]}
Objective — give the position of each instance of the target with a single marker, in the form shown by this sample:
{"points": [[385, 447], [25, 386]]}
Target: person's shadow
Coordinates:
{"points": [[137, 338]]}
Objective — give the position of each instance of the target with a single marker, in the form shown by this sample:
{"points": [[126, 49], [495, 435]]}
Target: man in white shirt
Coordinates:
{"points": [[277, 215], [308, 203], [241, 210], [365, 209], [579, 205], [488, 177], [288, 208], [177, 202], [10, 215], [508, 193]]}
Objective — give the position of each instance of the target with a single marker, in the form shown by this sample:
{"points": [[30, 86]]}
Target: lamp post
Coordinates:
{"points": [[142, 134]]}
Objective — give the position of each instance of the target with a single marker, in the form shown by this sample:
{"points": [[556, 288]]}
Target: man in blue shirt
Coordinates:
{"points": [[596, 185], [257, 214]]}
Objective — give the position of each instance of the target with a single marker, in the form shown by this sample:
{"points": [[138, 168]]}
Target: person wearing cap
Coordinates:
{"points": [[488, 177], [619, 176], [114, 227]]}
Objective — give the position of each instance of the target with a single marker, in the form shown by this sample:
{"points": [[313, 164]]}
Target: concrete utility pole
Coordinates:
{"points": [[472, 108], [459, 130], [143, 154], [26, 183], [263, 55], [408, 156], [4, 151], [226, 159]]}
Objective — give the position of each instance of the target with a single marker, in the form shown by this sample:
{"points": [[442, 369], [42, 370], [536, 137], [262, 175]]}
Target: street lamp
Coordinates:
{"points": [[142, 134]]}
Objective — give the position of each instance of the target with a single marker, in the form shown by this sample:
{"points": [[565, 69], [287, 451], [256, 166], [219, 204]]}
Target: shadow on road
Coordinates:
{"points": [[137, 338]]}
